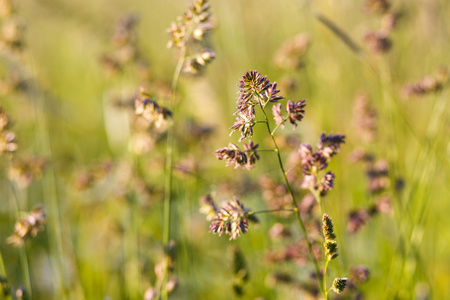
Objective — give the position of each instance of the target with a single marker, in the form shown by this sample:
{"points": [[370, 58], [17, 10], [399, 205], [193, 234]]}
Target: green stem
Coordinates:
{"points": [[271, 211], [318, 198], [169, 169], [325, 278], [262, 150], [278, 125], [294, 202]]}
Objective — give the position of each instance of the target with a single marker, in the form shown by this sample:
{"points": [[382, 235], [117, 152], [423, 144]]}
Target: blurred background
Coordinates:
{"points": [[69, 71]]}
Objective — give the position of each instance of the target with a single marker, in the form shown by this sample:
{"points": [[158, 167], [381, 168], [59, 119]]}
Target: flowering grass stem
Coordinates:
{"points": [[169, 167], [294, 202]]}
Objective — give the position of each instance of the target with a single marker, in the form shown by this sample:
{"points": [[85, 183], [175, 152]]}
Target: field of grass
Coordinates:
{"points": [[99, 201]]}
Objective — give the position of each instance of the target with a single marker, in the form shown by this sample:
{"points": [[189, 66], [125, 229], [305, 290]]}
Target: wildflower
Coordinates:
{"points": [[290, 54], [195, 20], [251, 84], [252, 155], [24, 170], [339, 285], [327, 228], [232, 154], [198, 62], [314, 163], [271, 93], [378, 42], [28, 226], [150, 110], [244, 123], [327, 183], [276, 111], [295, 111], [330, 243], [331, 144], [330, 249], [232, 219]]}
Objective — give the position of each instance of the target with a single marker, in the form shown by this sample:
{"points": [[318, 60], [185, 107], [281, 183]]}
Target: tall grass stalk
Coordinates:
{"points": [[168, 175], [294, 201]]}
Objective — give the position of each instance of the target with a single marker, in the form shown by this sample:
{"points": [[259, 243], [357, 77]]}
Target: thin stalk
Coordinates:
{"points": [[23, 255], [325, 278], [278, 125], [294, 202], [262, 150], [168, 176], [271, 211], [318, 198]]}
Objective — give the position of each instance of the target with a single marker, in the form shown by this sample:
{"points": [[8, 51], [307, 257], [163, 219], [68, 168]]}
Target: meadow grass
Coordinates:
{"points": [[105, 178]]}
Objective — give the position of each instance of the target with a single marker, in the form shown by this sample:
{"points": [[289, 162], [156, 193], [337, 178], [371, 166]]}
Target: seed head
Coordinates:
{"points": [[232, 154], [28, 226], [232, 219], [199, 61], [150, 110], [196, 20], [295, 111], [327, 227], [331, 247], [327, 183], [339, 285], [331, 144]]}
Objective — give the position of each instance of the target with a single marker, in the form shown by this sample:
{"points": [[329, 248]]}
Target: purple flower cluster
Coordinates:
{"points": [[233, 155], [295, 112], [315, 161], [232, 219], [254, 89]]}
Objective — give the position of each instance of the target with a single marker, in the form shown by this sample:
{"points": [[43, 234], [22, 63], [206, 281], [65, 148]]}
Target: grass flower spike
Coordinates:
{"points": [[232, 219]]}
